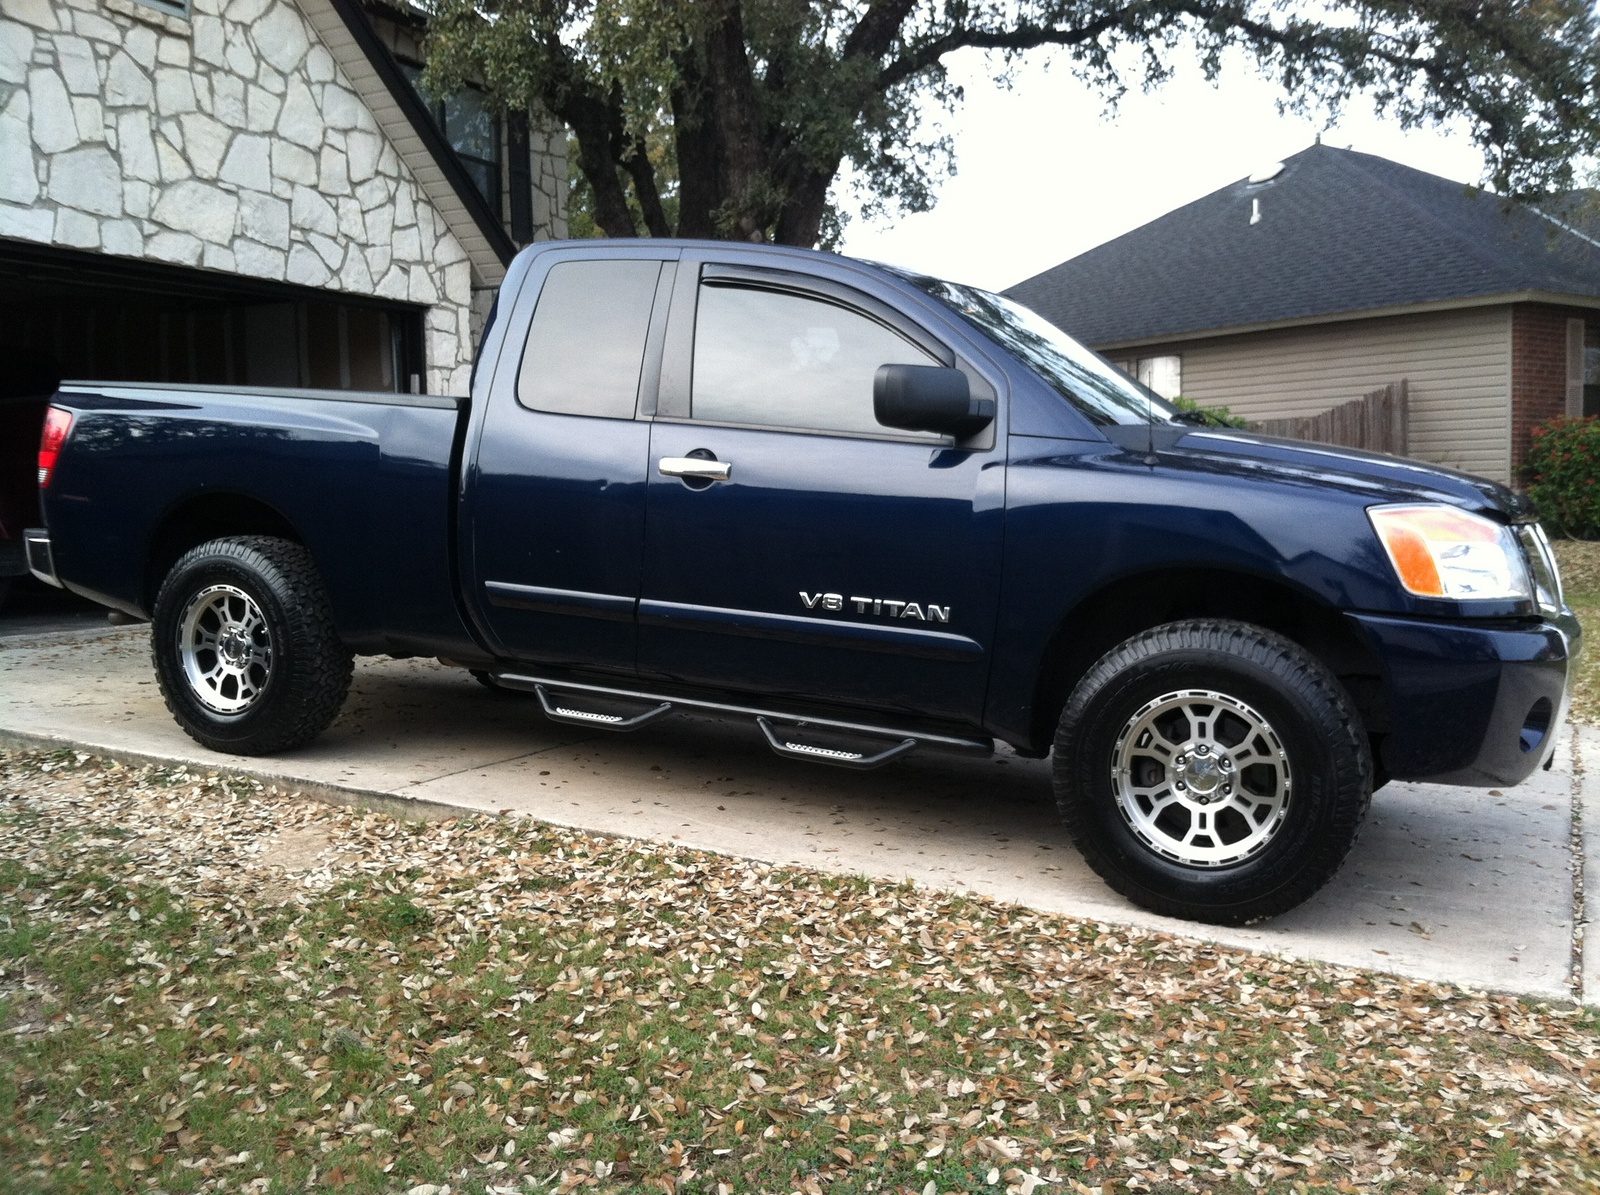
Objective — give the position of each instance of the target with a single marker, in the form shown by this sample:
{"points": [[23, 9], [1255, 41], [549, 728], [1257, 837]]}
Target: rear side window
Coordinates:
{"points": [[586, 346], [784, 360]]}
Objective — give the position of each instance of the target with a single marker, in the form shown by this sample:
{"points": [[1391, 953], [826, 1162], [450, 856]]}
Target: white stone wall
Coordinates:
{"points": [[231, 142], [547, 149]]}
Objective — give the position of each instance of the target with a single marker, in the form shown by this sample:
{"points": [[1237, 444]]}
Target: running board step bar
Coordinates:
{"points": [[561, 713], [560, 699], [840, 759]]}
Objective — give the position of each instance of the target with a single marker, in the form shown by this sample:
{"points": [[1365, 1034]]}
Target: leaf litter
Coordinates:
{"points": [[207, 985]]}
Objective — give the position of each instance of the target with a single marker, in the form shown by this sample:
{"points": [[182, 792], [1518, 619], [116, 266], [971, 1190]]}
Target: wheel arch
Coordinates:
{"points": [[1130, 604], [204, 517]]}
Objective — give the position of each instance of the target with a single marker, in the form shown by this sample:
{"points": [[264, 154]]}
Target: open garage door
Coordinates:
{"points": [[95, 317]]}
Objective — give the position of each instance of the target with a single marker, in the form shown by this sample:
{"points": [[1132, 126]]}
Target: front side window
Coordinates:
{"points": [[585, 347], [1084, 378], [783, 360]]}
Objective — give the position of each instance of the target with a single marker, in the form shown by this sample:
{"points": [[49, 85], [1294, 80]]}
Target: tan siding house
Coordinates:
{"points": [[1336, 274], [1456, 365]]}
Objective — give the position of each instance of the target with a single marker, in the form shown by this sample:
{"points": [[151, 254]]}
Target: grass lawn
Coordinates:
{"points": [[209, 987], [1580, 577]]}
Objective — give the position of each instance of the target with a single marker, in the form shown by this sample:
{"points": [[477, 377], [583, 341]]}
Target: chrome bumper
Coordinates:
{"points": [[41, 560]]}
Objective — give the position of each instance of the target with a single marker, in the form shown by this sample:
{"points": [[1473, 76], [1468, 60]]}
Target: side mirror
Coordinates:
{"points": [[927, 398]]}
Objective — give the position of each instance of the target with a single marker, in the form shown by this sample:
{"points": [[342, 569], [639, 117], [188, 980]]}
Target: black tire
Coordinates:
{"points": [[1316, 780], [282, 703]]}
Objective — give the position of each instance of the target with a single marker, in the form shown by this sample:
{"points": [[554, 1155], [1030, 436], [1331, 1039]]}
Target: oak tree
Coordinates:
{"points": [[734, 118]]}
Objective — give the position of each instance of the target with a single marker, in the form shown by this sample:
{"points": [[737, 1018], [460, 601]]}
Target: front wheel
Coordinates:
{"points": [[245, 648], [1213, 771]]}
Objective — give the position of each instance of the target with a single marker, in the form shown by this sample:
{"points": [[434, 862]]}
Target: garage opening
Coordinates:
{"points": [[87, 316]]}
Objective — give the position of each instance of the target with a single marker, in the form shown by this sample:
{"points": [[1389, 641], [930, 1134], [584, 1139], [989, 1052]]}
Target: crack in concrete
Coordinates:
{"points": [[495, 763], [1579, 865]]}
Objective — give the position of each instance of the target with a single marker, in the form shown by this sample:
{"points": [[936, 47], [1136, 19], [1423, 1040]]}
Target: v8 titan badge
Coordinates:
{"points": [[924, 612]]}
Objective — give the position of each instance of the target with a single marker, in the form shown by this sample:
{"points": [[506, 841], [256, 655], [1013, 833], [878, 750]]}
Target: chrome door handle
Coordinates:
{"points": [[693, 466]]}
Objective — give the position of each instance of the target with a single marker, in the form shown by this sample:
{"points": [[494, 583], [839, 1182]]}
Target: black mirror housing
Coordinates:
{"points": [[928, 398]]}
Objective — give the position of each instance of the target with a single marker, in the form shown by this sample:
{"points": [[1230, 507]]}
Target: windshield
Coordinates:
{"points": [[1084, 378]]}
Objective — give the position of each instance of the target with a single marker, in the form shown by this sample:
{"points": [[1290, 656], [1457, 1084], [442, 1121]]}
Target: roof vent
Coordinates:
{"points": [[1266, 174], [1255, 211]]}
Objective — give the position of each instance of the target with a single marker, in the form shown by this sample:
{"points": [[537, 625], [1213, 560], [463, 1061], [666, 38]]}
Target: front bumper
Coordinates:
{"points": [[1471, 703]]}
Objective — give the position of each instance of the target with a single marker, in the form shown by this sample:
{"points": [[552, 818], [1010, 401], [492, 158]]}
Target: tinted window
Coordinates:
{"points": [[779, 359], [586, 345], [1084, 378]]}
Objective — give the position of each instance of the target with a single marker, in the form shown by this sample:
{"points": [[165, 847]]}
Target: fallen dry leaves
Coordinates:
{"points": [[205, 986]]}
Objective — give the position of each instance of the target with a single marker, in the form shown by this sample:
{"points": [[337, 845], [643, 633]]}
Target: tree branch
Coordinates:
{"points": [[919, 58], [637, 163]]}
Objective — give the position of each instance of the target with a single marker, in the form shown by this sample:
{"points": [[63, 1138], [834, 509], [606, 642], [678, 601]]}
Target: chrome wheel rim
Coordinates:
{"points": [[226, 648], [1201, 778]]}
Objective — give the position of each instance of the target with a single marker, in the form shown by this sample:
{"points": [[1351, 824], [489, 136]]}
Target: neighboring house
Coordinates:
{"points": [[1308, 286], [253, 192]]}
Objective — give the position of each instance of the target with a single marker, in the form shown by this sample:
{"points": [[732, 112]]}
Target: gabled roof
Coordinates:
{"points": [[1339, 232], [348, 35]]}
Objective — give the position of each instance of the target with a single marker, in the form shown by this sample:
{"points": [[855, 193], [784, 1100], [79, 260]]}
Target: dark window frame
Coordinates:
{"points": [[437, 109]]}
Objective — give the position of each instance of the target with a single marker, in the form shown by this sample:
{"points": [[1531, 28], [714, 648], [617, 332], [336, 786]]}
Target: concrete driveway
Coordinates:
{"points": [[1471, 886]]}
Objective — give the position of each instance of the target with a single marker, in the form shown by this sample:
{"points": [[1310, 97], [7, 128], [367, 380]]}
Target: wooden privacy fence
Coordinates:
{"points": [[1375, 421]]}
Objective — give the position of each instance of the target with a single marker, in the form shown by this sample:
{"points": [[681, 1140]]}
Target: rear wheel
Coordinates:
{"points": [[245, 648], [1213, 771]]}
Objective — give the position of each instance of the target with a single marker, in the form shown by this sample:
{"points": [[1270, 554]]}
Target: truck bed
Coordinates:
{"points": [[364, 480]]}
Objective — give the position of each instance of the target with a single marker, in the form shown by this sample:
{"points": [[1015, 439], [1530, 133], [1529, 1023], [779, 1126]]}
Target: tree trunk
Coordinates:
{"points": [[699, 164], [736, 118], [644, 186], [800, 219]]}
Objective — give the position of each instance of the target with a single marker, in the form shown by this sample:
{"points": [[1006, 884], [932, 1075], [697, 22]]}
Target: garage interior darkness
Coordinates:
{"points": [[92, 317]]}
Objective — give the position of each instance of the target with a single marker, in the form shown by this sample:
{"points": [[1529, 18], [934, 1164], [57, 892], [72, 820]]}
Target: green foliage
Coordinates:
{"points": [[738, 118], [1214, 416], [1561, 471]]}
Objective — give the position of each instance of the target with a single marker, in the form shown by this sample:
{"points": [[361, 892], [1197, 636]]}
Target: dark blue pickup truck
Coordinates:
{"points": [[870, 511]]}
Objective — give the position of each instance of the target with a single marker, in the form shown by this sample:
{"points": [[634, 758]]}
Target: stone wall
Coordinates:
{"points": [[232, 142]]}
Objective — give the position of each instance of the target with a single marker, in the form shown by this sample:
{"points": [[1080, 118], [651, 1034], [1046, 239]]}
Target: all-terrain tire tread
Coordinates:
{"points": [[322, 665], [1302, 676]]}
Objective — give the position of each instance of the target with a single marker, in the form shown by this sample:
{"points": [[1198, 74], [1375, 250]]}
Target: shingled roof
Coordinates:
{"points": [[1339, 232]]}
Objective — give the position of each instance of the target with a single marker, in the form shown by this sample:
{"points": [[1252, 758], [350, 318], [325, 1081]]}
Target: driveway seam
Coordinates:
{"points": [[1579, 866]]}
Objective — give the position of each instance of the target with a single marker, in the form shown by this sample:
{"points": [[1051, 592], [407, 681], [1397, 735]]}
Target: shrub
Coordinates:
{"points": [[1561, 471], [1214, 416]]}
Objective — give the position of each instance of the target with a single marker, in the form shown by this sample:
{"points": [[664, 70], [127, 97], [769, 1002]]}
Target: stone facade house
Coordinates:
{"points": [[1336, 274], [253, 192]]}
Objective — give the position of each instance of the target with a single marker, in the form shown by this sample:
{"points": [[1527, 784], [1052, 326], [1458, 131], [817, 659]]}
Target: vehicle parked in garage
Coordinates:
{"points": [[873, 512]]}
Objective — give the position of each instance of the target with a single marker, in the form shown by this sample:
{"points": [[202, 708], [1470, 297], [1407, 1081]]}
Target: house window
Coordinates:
{"points": [[1591, 369], [1164, 375], [472, 131]]}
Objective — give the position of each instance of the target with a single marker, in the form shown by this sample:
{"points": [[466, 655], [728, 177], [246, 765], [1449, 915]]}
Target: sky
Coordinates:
{"points": [[1043, 174]]}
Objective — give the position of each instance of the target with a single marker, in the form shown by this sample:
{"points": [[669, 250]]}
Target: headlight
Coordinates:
{"points": [[1542, 564], [1439, 551]]}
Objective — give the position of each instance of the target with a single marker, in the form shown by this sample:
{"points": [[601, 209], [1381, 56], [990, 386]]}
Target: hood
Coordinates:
{"points": [[1384, 478]]}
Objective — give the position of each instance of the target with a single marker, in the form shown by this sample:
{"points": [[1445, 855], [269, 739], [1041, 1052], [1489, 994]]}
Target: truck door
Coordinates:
{"points": [[553, 513], [794, 546]]}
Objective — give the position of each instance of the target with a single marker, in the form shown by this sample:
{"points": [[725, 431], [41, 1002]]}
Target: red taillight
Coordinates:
{"points": [[57, 423]]}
